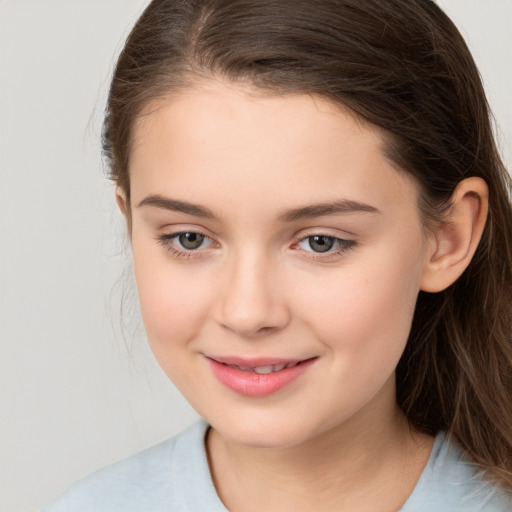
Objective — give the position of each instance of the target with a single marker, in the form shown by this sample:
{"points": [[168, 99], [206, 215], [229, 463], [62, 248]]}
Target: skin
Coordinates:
{"points": [[334, 439]]}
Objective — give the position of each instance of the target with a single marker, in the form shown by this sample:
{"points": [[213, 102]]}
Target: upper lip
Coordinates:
{"points": [[254, 362]]}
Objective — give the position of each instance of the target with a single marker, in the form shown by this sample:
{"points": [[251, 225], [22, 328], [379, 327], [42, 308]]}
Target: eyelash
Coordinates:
{"points": [[344, 245], [168, 241]]}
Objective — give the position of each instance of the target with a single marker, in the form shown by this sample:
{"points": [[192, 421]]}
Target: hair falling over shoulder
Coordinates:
{"points": [[403, 66]]}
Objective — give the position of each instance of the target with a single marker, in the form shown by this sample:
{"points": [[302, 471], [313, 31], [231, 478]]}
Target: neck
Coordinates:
{"points": [[359, 465]]}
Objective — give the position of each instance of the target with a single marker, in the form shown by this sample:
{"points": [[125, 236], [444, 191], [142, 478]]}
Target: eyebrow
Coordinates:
{"points": [[166, 203], [343, 206], [319, 210]]}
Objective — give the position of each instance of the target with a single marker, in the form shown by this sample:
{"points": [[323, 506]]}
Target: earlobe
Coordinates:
{"points": [[456, 238]]}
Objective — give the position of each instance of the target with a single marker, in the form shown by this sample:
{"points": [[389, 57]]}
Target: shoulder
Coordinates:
{"points": [[450, 483], [172, 475]]}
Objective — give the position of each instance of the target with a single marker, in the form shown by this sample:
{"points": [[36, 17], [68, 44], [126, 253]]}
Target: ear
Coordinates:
{"points": [[121, 201], [124, 206], [455, 240]]}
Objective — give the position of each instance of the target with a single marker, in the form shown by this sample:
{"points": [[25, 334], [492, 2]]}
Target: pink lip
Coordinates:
{"points": [[253, 384]]}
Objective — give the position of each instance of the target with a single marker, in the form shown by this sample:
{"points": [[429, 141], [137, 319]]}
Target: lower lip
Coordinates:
{"points": [[254, 384]]}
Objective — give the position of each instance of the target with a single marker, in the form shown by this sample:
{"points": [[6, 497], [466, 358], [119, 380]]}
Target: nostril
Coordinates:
{"points": [[249, 302], [249, 332]]}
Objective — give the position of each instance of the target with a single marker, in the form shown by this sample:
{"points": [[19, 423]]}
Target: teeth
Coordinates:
{"points": [[263, 370]]}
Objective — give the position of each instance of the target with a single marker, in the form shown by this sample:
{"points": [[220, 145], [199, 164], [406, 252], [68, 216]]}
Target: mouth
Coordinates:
{"points": [[258, 377], [264, 369]]}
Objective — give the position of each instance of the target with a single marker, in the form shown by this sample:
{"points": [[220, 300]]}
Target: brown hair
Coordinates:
{"points": [[403, 66]]}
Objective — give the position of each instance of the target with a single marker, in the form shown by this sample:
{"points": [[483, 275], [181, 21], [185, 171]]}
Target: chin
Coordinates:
{"points": [[270, 433]]}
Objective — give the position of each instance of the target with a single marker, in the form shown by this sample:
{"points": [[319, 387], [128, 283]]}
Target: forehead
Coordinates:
{"points": [[222, 139]]}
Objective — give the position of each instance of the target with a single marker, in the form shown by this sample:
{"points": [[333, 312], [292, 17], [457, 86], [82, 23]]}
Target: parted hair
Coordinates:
{"points": [[402, 66]]}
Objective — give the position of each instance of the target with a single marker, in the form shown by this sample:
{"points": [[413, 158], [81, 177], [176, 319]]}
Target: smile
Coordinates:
{"points": [[264, 370], [257, 378]]}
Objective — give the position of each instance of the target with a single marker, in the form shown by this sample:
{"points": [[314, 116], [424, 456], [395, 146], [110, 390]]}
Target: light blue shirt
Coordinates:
{"points": [[174, 477]]}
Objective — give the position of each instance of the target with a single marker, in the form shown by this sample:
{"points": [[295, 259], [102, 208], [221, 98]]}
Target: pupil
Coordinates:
{"points": [[321, 243], [191, 240]]}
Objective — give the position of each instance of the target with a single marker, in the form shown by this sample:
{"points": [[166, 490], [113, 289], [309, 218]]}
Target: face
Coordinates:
{"points": [[278, 256]]}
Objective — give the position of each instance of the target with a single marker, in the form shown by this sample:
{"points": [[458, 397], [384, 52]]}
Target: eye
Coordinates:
{"points": [[324, 244], [186, 243], [320, 243], [190, 241]]}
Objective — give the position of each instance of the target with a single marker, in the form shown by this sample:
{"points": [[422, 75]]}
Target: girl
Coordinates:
{"points": [[321, 231]]}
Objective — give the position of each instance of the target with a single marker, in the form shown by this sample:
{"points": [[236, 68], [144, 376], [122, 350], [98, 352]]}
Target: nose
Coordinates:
{"points": [[252, 298]]}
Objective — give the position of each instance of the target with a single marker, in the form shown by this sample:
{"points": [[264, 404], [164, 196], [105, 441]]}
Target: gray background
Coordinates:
{"points": [[75, 392]]}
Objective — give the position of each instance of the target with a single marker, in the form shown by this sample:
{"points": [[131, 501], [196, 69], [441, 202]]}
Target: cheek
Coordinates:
{"points": [[365, 310], [172, 306]]}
